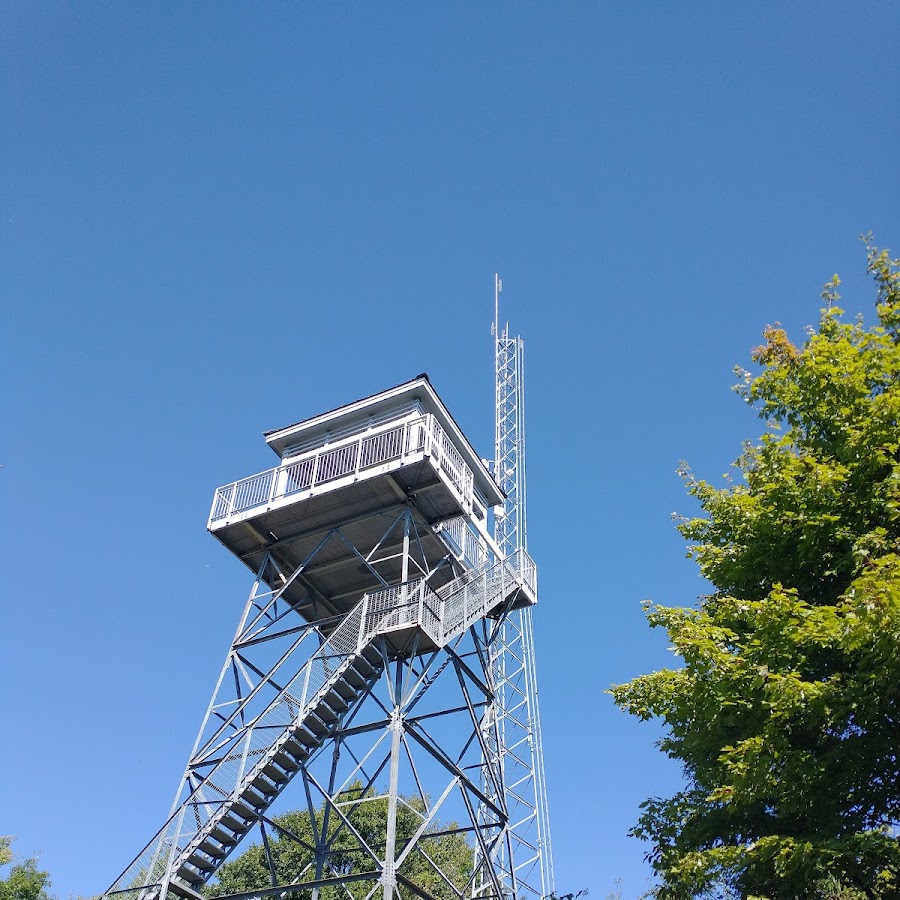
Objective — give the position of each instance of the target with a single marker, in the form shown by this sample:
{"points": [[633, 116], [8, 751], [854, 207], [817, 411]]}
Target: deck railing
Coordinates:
{"points": [[463, 540], [349, 456]]}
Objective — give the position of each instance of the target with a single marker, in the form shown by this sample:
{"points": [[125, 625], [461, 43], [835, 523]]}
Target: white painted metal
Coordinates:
{"points": [[518, 743]]}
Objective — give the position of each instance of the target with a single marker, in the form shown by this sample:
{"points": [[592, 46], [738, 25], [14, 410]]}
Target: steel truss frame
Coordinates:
{"points": [[515, 712], [421, 739]]}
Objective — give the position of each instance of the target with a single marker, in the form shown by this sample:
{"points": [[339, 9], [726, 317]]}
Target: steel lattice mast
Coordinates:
{"points": [[520, 748]]}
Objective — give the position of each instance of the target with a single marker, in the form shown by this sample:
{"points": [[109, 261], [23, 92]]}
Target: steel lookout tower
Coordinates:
{"points": [[381, 678]]}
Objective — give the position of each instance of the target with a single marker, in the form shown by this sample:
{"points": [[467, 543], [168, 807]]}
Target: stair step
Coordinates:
{"points": [[241, 808], [326, 713], [275, 770], [225, 837], [217, 851], [265, 785], [177, 887], [201, 863], [253, 798], [303, 738], [286, 761], [345, 690], [363, 667], [295, 751], [372, 656], [337, 702], [316, 725], [238, 826], [353, 679], [189, 874]]}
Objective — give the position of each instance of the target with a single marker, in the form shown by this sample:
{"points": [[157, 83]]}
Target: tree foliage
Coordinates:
{"points": [[786, 713], [443, 847], [24, 881]]}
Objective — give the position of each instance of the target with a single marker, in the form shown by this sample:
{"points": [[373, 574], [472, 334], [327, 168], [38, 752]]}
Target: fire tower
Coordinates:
{"points": [[381, 677]]}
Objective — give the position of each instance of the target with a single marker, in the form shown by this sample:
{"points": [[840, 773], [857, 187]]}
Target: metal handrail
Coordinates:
{"points": [[349, 456], [463, 540]]}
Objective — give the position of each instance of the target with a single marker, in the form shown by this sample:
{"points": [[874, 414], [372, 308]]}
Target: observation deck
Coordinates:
{"points": [[341, 477]]}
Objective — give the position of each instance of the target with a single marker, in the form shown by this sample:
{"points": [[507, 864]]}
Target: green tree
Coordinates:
{"points": [[24, 881], [292, 848], [786, 713]]}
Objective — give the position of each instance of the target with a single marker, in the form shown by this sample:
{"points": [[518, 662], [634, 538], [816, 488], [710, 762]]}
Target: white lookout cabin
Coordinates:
{"points": [[347, 472]]}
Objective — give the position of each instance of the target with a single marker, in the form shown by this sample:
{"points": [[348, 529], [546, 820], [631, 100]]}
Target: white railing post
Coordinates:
{"points": [[242, 767], [437, 451], [309, 665], [167, 874], [363, 614]]}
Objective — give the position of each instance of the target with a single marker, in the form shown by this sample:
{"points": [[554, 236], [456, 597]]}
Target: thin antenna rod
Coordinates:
{"points": [[498, 289]]}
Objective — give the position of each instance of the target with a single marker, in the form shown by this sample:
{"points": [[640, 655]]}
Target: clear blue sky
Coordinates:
{"points": [[218, 218]]}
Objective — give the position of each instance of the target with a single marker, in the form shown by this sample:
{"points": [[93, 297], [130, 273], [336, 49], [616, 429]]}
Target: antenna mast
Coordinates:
{"points": [[509, 433], [513, 661]]}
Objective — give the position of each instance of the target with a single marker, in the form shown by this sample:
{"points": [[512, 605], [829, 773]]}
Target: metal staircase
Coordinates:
{"points": [[242, 769]]}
